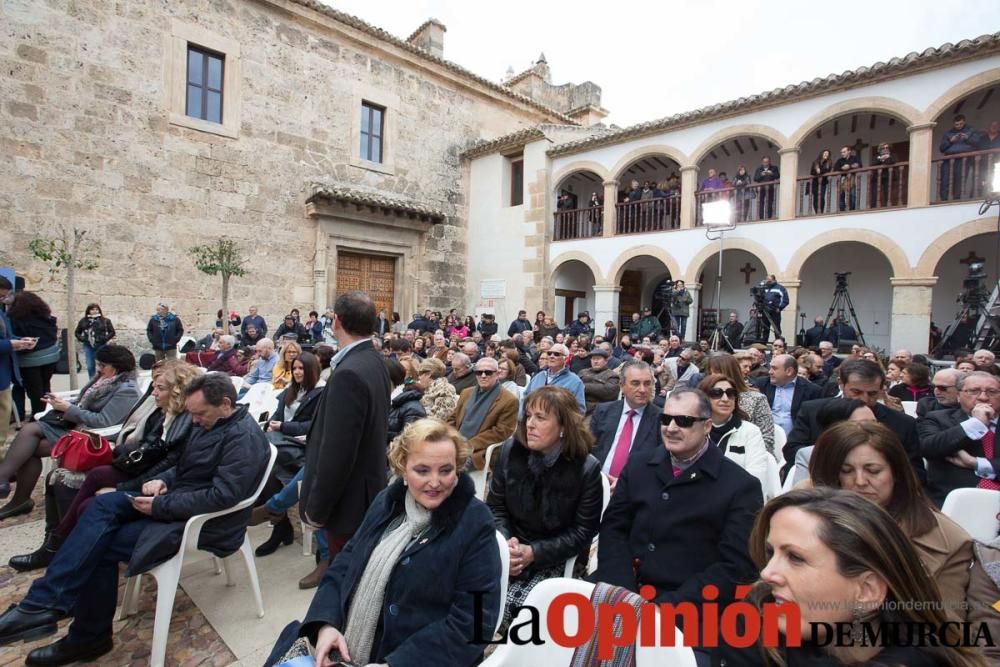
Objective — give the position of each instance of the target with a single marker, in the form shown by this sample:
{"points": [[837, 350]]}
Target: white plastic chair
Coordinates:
{"points": [[976, 511], [550, 653], [771, 486], [780, 440], [910, 408], [168, 574], [504, 570], [592, 561], [481, 477]]}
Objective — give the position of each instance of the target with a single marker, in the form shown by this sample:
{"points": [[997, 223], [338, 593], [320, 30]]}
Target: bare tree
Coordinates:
{"points": [[222, 257], [67, 252]]}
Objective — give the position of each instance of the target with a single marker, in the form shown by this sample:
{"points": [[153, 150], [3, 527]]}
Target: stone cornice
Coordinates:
{"points": [[929, 281], [374, 203], [912, 63]]}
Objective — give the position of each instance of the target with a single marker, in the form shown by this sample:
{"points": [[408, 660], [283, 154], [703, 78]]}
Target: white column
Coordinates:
{"points": [[605, 305], [911, 313], [691, 332], [790, 315]]}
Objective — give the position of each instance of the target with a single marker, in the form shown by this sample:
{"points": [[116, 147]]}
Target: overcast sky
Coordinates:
{"points": [[657, 59]]}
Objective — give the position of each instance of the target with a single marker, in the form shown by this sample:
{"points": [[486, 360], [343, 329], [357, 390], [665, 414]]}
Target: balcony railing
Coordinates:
{"points": [[578, 223], [962, 177], [751, 203], [857, 190], [648, 215]]}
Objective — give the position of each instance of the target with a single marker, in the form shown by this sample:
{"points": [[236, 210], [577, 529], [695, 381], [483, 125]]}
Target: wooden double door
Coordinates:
{"points": [[374, 274]]}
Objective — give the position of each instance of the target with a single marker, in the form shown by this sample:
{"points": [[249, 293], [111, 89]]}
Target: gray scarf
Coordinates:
{"points": [[365, 608], [475, 410]]}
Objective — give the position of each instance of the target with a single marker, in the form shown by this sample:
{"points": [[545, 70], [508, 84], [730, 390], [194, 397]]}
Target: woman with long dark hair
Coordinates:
{"points": [[94, 331], [31, 317], [820, 183]]}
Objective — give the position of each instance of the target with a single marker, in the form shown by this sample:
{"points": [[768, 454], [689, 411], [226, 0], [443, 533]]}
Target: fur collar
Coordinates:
{"points": [[450, 511]]}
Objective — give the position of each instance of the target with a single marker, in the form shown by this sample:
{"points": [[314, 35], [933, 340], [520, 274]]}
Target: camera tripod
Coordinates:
{"points": [[976, 327], [761, 323], [842, 298]]}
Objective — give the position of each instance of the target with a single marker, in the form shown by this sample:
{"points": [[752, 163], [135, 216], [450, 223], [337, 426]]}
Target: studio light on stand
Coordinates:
{"points": [[718, 219]]}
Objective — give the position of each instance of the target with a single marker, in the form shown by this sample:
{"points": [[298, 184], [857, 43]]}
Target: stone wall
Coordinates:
{"points": [[86, 140]]}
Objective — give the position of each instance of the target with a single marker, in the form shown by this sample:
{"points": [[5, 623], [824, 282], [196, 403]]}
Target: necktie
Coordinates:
{"points": [[621, 449], [990, 484], [677, 471]]}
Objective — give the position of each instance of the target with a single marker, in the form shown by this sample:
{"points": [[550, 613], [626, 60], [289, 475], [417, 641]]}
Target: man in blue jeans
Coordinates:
{"points": [[222, 464]]}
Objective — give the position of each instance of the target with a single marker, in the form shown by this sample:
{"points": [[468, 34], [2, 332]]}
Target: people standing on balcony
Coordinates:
{"points": [[991, 138], [713, 182], [766, 173], [960, 139], [596, 223], [881, 187], [819, 185], [847, 185], [680, 306], [743, 196]]}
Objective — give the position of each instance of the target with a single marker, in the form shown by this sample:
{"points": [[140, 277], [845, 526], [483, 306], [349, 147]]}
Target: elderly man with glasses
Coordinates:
{"points": [[485, 414], [945, 393], [681, 513], [553, 370], [959, 443]]}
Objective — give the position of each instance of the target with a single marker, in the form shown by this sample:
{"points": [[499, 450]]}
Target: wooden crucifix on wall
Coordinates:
{"points": [[746, 271], [971, 259]]}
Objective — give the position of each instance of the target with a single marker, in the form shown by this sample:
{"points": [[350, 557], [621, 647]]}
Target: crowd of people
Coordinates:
{"points": [[660, 451]]}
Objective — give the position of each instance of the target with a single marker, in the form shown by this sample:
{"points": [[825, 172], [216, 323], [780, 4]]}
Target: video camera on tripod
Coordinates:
{"points": [[842, 279], [975, 326], [973, 295]]}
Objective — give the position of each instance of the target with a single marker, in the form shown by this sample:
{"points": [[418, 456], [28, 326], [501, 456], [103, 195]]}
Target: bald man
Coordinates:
{"points": [[785, 390]]}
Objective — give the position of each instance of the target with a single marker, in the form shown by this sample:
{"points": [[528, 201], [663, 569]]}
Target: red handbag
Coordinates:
{"points": [[79, 451]]}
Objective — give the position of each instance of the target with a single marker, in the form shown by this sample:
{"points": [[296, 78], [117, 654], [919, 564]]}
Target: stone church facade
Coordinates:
{"points": [[328, 148]]}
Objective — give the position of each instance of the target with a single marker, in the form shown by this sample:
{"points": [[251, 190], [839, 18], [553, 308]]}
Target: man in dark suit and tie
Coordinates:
{"points": [[626, 425], [345, 456], [861, 379], [785, 390], [959, 443]]}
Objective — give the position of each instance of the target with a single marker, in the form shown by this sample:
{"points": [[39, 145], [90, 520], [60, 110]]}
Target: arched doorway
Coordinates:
{"points": [[649, 195], [956, 278], [579, 206], [868, 285], [641, 278], [879, 142], [964, 152], [573, 282], [718, 178], [740, 271]]}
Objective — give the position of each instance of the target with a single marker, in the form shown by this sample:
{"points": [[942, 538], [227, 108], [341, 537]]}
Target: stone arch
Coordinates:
{"points": [[938, 247], [580, 165], [637, 154], [885, 105], [694, 267], [734, 132], [960, 90], [893, 253], [617, 266], [575, 255]]}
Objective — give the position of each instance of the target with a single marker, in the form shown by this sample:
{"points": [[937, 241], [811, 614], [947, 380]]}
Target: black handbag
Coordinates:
{"points": [[54, 418], [149, 451]]}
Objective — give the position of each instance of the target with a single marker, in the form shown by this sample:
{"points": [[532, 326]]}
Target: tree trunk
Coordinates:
{"points": [[70, 311], [225, 303]]}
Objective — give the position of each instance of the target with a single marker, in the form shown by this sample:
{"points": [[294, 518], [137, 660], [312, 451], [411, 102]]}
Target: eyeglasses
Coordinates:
{"points": [[717, 393], [683, 421], [992, 393], [944, 387], [485, 373], [556, 354]]}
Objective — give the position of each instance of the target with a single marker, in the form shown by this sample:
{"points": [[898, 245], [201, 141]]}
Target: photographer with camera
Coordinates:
{"points": [[775, 299]]}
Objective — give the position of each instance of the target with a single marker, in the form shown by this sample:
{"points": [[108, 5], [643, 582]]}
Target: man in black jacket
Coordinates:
{"points": [[681, 514], [785, 390], [520, 325], [345, 455], [766, 173], [223, 463], [630, 424], [816, 334], [945, 393], [861, 379], [958, 443]]}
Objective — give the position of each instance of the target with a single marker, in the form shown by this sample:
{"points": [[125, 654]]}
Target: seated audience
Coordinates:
{"points": [[546, 492], [222, 464], [555, 373], [485, 414], [627, 425], [866, 457], [833, 412], [842, 560], [461, 377], [152, 438], [281, 375], [959, 443], [262, 365], [290, 327], [753, 403], [737, 438], [681, 514], [507, 370], [228, 360], [392, 599], [600, 383], [439, 397], [945, 394], [678, 371], [103, 402], [404, 404], [914, 383], [785, 390]]}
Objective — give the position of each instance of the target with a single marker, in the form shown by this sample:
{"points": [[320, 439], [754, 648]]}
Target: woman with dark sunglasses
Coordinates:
{"points": [[740, 440]]}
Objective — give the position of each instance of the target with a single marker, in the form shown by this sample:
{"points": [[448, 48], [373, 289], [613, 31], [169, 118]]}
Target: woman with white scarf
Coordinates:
{"points": [[406, 586]]}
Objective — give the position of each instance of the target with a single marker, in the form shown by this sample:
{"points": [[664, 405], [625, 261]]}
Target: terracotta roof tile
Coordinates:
{"points": [[374, 200]]}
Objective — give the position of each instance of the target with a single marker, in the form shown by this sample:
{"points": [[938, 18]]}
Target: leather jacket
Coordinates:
{"points": [[557, 513]]}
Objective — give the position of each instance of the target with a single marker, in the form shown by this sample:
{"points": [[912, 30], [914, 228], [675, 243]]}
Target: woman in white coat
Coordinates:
{"points": [[740, 440]]}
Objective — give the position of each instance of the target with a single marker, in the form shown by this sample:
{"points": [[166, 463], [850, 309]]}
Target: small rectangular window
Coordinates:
{"points": [[516, 182], [205, 75], [372, 127]]}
